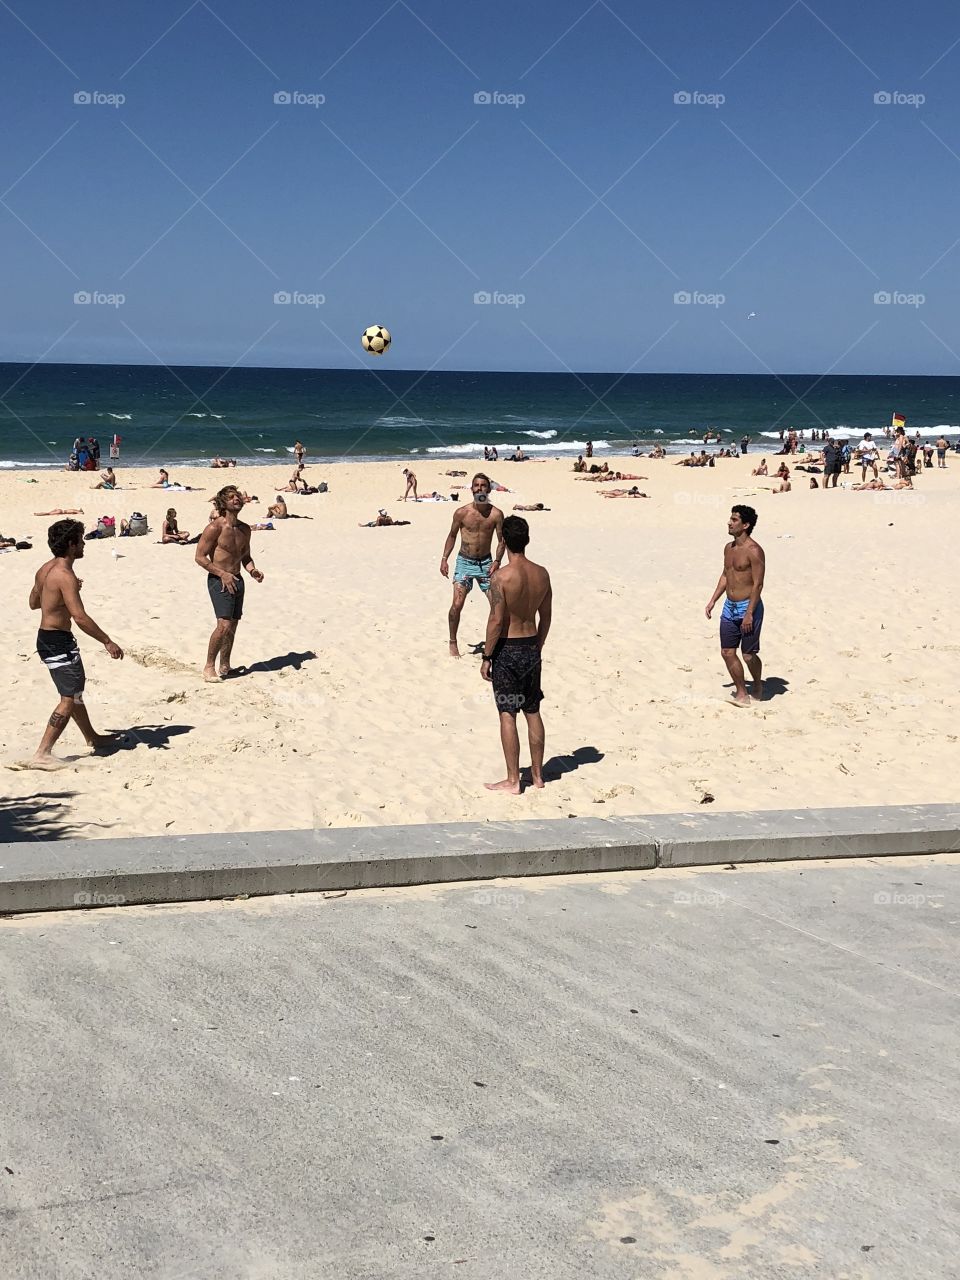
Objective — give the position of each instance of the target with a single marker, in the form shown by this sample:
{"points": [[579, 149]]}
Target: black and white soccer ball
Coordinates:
{"points": [[376, 339]]}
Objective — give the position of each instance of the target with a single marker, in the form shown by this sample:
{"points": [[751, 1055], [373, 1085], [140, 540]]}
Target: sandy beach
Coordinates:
{"points": [[351, 711]]}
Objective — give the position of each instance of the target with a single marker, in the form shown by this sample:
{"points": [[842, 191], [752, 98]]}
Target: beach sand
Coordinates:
{"points": [[352, 712]]}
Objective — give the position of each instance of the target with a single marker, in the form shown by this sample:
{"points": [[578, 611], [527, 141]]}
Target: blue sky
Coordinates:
{"points": [[596, 199]]}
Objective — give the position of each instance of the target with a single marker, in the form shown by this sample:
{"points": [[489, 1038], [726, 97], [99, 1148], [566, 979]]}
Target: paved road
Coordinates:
{"points": [[654, 1075]]}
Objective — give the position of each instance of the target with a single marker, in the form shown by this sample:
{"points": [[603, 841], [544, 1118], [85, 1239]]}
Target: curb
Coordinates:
{"points": [[70, 874]]}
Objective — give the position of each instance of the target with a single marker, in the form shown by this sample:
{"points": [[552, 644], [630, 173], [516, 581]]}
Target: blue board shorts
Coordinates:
{"points": [[468, 570], [732, 634]]}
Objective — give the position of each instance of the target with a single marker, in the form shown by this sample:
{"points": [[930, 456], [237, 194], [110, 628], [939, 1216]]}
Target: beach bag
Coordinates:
{"points": [[137, 526], [106, 527], [322, 487]]}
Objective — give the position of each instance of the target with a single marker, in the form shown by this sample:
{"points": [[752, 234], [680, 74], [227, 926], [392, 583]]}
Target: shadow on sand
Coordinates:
{"points": [[42, 816], [557, 766], [773, 686], [295, 660]]}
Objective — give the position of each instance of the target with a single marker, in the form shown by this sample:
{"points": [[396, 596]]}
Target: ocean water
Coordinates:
{"points": [[181, 415]]}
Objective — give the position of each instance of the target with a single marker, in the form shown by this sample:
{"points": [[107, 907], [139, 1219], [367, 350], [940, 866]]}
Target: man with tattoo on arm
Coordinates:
{"points": [[223, 547], [476, 523], [519, 592], [56, 593]]}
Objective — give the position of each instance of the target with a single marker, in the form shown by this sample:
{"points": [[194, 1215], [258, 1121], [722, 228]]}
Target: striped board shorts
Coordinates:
{"points": [[61, 656]]}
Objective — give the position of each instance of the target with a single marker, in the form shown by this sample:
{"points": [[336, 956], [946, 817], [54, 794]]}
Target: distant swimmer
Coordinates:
{"points": [[411, 480], [742, 617], [56, 593], [521, 610], [476, 523], [223, 549]]}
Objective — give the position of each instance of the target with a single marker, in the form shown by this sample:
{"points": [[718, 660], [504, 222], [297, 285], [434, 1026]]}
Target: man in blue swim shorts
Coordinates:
{"points": [[742, 618], [476, 523]]}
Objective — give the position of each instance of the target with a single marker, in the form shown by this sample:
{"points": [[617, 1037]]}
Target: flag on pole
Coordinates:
{"points": [[898, 421]]}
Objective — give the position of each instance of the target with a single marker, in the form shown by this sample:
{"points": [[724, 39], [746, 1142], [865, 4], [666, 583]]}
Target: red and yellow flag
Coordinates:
{"points": [[898, 421]]}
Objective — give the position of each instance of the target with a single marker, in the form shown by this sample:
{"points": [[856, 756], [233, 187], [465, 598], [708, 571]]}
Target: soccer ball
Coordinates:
{"points": [[375, 340]]}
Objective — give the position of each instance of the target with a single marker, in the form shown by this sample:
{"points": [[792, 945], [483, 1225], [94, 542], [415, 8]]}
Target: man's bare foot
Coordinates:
{"points": [[506, 785], [210, 675], [537, 780], [46, 764], [454, 649], [737, 701], [227, 672], [104, 741], [757, 694]]}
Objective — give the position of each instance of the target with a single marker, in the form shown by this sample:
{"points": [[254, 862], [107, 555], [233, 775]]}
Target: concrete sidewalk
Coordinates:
{"points": [[740, 1075], [45, 875]]}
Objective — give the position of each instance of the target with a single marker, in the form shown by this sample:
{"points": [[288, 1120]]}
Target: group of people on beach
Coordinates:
{"points": [[518, 590]]}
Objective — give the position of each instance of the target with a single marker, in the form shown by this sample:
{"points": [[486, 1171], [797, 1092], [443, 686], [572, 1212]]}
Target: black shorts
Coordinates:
{"points": [[61, 657], [225, 604], [516, 675]]}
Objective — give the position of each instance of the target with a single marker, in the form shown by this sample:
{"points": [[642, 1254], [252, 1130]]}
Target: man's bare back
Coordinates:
{"points": [[523, 586]]}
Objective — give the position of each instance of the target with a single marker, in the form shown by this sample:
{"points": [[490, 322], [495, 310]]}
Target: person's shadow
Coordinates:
{"points": [[557, 766], [155, 736], [295, 660], [773, 686]]}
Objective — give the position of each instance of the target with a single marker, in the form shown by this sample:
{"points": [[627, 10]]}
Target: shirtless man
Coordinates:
{"points": [[56, 593], [278, 510], [742, 617], [521, 608], [223, 547], [108, 480], [411, 480], [476, 524]]}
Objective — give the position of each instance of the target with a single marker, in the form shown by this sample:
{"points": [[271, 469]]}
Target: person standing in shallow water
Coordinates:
{"points": [[744, 565], [521, 610]]}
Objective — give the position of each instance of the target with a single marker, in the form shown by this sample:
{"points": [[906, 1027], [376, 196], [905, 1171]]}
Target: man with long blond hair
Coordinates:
{"points": [[224, 548]]}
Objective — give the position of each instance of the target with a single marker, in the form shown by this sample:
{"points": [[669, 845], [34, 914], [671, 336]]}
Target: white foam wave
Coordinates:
{"points": [[120, 417], [542, 435], [259, 450], [565, 446]]}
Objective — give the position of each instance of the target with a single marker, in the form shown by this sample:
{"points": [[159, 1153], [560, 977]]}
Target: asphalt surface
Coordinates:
{"points": [[666, 1075]]}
